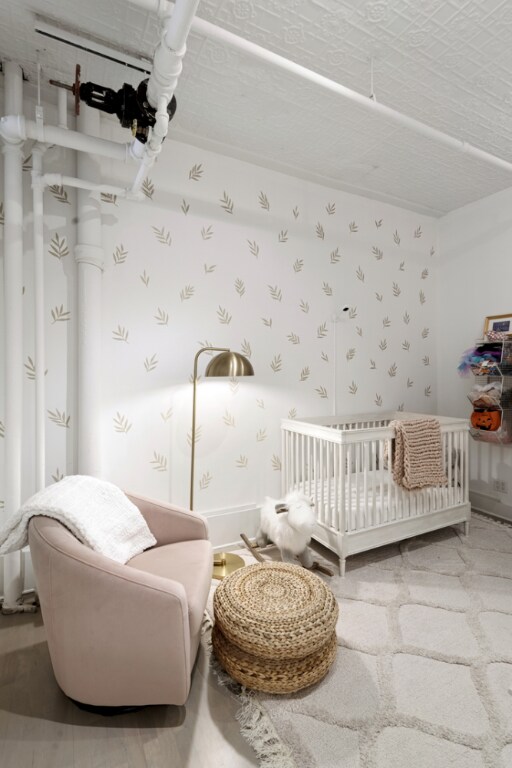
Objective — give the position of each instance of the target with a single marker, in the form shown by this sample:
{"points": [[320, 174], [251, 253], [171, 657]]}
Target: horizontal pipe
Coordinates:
{"points": [[51, 179]]}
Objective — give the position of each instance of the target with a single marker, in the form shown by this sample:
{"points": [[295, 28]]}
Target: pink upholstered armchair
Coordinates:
{"points": [[124, 635]]}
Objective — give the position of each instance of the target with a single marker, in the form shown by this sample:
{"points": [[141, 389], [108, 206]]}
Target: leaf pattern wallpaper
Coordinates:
{"points": [[222, 253]]}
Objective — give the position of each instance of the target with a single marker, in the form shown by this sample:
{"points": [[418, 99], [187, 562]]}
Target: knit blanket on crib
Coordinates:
{"points": [[97, 512], [418, 454]]}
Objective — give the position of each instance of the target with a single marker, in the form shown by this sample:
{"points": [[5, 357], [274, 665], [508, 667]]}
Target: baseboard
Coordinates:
{"points": [[482, 502], [226, 525]]}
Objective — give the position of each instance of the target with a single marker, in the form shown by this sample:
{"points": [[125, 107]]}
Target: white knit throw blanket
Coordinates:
{"points": [[418, 454], [97, 512]]}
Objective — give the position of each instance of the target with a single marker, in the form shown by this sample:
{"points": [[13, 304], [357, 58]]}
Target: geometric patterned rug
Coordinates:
{"points": [[423, 674]]}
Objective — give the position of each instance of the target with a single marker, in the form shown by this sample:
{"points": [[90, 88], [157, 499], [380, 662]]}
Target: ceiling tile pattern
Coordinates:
{"points": [[447, 63]]}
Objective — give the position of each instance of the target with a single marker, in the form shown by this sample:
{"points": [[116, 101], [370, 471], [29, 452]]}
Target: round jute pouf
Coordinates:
{"points": [[275, 627]]}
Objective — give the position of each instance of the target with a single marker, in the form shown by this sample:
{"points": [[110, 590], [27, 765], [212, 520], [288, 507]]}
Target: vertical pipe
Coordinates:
{"points": [[13, 323], [89, 258], [62, 101], [39, 341]]}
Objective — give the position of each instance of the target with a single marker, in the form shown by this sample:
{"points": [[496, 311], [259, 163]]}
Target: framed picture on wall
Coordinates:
{"points": [[501, 324]]}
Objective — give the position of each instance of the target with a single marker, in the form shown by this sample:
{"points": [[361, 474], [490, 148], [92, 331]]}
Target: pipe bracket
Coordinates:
{"points": [[89, 254]]}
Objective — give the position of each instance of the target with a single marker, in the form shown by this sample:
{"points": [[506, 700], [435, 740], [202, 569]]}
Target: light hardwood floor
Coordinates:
{"points": [[41, 728]]}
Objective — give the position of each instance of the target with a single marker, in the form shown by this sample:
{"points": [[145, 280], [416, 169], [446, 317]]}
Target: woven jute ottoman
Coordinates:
{"points": [[275, 627]]}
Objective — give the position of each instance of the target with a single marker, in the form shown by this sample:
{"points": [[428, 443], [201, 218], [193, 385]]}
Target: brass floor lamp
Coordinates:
{"points": [[226, 363]]}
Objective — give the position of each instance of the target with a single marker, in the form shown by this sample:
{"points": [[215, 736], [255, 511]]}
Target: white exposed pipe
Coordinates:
{"points": [[51, 179], [62, 102], [13, 286], [213, 32], [39, 337], [89, 258]]}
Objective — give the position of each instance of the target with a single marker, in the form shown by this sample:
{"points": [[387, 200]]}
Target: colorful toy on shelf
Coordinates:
{"points": [[489, 421]]}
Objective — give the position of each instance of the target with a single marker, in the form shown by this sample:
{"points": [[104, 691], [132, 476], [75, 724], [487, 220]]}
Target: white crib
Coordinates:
{"points": [[344, 464]]}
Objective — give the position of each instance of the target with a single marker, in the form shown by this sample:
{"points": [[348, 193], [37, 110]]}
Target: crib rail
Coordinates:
{"points": [[345, 465]]}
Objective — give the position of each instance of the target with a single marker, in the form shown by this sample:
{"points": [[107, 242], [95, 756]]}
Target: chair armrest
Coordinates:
{"points": [[168, 523]]}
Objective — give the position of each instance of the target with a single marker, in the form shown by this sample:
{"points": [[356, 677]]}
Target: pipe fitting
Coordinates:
{"points": [[89, 254], [12, 129]]}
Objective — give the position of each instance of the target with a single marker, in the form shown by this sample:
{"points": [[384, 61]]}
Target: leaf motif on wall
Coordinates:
{"points": [[159, 462], [276, 463], [373, 367], [228, 419], [351, 353], [240, 286], [423, 298], [360, 274], [60, 315], [161, 317], [353, 388], [352, 313], [263, 201], [150, 363], [205, 481], [304, 305], [396, 289], [121, 423], [400, 407], [260, 404], [428, 391], [304, 374], [198, 435], [396, 237], [418, 232], [2, 429], [410, 382], [353, 227], [378, 223], [326, 288], [108, 197], [59, 418], [378, 253], [226, 203], [120, 334], [331, 209], [386, 322], [392, 370], [266, 322], [298, 264], [223, 316], [426, 360], [185, 207], [406, 318], [187, 292], [378, 400], [209, 268], [320, 231], [424, 274], [58, 247], [293, 338], [2, 214], [207, 232], [119, 255], [145, 278], [162, 235], [59, 193], [31, 371], [57, 476], [335, 256], [383, 344], [246, 348], [425, 333], [359, 331], [324, 357], [321, 392], [254, 248], [402, 266], [406, 345], [148, 188], [432, 251], [234, 385], [276, 364], [321, 331], [242, 462], [292, 413], [261, 435], [195, 172], [275, 292], [283, 236], [378, 296], [166, 415]]}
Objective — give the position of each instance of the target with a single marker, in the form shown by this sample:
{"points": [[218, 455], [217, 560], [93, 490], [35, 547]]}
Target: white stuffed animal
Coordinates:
{"points": [[289, 524]]}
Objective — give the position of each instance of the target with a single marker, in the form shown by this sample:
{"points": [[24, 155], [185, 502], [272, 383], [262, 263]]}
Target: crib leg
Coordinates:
{"points": [[466, 528], [342, 566]]}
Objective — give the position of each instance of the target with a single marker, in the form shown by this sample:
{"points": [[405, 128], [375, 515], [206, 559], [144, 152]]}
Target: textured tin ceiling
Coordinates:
{"points": [[445, 62]]}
